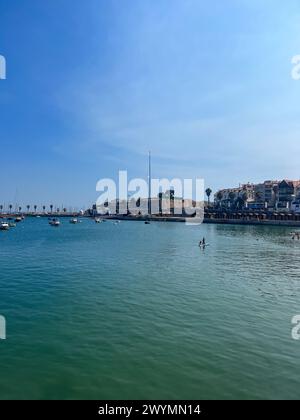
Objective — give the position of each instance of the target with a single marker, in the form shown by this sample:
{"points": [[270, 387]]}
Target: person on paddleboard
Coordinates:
{"points": [[202, 243]]}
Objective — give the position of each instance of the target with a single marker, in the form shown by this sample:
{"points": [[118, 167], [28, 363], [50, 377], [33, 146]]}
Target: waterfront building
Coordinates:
{"points": [[266, 194], [295, 206], [239, 197], [269, 194], [287, 191], [270, 191]]}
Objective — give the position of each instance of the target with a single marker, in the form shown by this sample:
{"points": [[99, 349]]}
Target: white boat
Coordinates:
{"points": [[4, 226], [18, 219], [54, 222], [97, 220], [74, 221]]}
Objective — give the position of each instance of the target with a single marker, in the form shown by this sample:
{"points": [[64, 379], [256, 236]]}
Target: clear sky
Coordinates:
{"points": [[93, 85]]}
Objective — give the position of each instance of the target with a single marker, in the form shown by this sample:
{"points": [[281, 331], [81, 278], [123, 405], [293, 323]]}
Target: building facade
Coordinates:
{"points": [[272, 195]]}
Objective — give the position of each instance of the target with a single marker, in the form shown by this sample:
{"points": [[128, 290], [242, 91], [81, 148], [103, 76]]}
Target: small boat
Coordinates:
{"points": [[12, 224], [4, 226], [18, 219], [147, 223], [74, 221], [97, 220], [54, 222]]}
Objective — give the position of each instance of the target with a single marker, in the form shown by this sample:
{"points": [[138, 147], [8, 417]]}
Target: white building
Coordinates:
{"points": [[295, 206]]}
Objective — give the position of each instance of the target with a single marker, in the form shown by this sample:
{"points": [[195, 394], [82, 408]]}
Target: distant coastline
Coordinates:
{"points": [[211, 216]]}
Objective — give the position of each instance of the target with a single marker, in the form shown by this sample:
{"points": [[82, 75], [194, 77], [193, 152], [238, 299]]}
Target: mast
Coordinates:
{"points": [[149, 183]]}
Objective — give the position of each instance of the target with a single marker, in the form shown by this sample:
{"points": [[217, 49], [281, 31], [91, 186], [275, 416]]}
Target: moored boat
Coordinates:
{"points": [[74, 221], [54, 222], [4, 226]]}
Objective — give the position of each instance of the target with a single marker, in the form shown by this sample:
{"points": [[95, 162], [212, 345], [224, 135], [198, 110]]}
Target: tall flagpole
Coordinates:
{"points": [[149, 184]]}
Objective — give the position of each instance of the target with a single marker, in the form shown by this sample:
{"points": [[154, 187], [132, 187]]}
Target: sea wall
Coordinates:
{"points": [[264, 222]]}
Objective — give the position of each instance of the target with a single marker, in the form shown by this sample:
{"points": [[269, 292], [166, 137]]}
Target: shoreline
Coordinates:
{"points": [[173, 219]]}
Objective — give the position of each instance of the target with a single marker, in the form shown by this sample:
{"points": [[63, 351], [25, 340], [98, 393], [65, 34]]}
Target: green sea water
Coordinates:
{"points": [[135, 311]]}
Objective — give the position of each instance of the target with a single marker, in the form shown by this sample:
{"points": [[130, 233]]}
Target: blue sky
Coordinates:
{"points": [[92, 86]]}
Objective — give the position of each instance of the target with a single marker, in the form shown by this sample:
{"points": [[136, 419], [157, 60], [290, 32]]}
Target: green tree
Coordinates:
{"points": [[231, 198], [208, 192]]}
